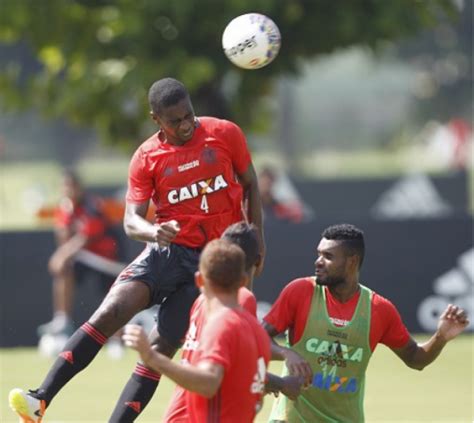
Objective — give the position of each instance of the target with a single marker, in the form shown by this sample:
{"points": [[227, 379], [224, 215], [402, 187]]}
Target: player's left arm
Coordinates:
{"points": [[451, 323], [249, 182], [297, 365], [204, 379]]}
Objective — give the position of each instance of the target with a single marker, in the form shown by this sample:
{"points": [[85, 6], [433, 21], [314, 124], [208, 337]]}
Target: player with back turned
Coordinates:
{"points": [[197, 172]]}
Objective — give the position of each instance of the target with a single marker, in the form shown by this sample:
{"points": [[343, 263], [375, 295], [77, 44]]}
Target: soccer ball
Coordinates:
{"points": [[251, 41]]}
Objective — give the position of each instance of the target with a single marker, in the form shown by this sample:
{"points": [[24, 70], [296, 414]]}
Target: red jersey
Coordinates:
{"points": [[235, 340], [194, 183], [178, 411], [86, 218], [291, 309]]}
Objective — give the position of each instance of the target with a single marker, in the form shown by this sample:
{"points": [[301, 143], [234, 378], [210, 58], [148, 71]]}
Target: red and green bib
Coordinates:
{"points": [[338, 357]]}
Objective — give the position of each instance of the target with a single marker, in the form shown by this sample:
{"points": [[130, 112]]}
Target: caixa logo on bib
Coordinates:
{"points": [[456, 286]]}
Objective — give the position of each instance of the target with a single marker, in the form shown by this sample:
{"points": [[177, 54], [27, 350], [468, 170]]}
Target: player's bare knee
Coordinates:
{"points": [[104, 319]]}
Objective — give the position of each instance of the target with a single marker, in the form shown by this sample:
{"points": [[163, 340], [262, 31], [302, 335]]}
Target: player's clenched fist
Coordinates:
{"points": [[166, 232], [134, 337]]}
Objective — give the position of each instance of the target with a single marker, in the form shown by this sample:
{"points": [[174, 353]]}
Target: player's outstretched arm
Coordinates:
{"points": [[451, 323], [204, 379]]}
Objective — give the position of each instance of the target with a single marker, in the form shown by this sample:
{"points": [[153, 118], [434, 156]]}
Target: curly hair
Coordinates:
{"points": [[351, 237]]}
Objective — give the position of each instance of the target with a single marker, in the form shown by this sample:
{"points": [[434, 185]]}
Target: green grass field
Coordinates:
{"points": [[441, 393]]}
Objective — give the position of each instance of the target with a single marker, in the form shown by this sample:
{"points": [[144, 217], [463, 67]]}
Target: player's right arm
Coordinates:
{"points": [[141, 185], [281, 317], [138, 228], [205, 378]]}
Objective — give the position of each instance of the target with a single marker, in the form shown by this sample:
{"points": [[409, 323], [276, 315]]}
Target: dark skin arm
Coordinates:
{"points": [[249, 183], [451, 323], [138, 228], [289, 386], [297, 366]]}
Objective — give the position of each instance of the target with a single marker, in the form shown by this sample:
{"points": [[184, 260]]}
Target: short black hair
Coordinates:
{"points": [[166, 92], [245, 236], [350, 236]]}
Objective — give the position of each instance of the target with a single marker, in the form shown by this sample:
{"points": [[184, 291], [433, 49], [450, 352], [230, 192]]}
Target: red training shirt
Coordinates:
{"points": [[235, 340], [195, 183], [86, 218], [291, 310], [178, 411]]}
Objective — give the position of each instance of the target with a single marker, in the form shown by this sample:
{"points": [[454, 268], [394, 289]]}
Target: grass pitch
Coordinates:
{"points": [[443, 392]]}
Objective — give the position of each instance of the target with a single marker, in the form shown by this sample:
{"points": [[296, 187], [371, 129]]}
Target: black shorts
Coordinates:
{"points": [[169, 274]]}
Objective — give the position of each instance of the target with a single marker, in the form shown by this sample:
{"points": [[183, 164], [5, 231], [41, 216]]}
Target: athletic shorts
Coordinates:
{"points": [[169, 274]]}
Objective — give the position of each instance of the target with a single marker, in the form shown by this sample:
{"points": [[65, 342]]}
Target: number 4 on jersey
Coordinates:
{"points": [[204, 204]]}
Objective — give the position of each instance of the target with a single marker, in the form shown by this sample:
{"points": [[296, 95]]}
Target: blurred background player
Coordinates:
{"points": [[225, 378], [280, 200], [188, 170], [87, 249], [334, 324]]}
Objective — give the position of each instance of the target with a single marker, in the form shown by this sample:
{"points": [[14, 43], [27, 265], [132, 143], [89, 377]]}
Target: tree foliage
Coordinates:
{"points": [[95, 59]]}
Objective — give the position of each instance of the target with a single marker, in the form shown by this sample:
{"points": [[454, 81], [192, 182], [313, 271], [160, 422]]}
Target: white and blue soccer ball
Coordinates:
{"points": [[251, 41]]}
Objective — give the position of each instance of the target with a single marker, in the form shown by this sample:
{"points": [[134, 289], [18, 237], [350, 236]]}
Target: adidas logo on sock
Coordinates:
{"points": [[134, 405], [67, 355]]}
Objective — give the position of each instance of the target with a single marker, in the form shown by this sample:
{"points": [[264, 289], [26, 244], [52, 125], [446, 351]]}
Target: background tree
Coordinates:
{"points": [[443, 58], [94, 59]]}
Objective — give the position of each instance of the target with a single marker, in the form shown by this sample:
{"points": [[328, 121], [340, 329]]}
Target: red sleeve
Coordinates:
{"points": [[140, 179], [290, 310], [197, 304], [387, 326], [248, 301], [238, 146]]}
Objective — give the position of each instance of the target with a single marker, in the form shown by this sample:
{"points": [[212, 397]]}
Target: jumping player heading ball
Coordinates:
{"points": [[197, 172]]}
